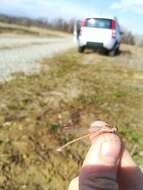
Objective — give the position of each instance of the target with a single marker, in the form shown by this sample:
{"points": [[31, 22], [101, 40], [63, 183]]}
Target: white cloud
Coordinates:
{"points": [[129, 5]]}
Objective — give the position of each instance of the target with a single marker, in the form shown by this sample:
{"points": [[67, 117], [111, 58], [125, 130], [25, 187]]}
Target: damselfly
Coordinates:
{"points": [[96, 129]]}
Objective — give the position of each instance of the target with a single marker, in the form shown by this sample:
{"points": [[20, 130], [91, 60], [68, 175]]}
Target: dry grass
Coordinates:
{"points": [[71, 90], [19, 29]]}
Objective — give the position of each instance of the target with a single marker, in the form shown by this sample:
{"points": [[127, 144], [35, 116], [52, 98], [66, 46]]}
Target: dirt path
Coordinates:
{"points": [[23, 54]]}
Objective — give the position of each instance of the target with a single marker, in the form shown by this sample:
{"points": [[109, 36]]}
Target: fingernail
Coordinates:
{"points": [[109, 154]]}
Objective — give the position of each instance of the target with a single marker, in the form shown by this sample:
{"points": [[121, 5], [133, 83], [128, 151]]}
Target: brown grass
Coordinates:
{"points": [[37, 31], [71, 90]]}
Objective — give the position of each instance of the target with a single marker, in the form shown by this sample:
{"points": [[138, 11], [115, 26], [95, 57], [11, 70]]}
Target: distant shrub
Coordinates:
{"points": [[56, 24], [139, 41], [128, 38]]}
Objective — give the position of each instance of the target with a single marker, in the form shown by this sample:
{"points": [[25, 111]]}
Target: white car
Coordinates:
{"points": [[98, 33]]}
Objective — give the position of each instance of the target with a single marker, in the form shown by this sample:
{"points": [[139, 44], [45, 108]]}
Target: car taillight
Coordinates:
{"points": [[113, 29], [84, 22], [113, 24]]}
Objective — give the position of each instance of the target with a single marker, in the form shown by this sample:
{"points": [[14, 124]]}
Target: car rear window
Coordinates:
{"points": [[99, 23]]}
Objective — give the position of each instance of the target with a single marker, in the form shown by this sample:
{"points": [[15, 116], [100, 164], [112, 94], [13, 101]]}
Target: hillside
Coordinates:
{"points": [[25, 30], [41, 26], [71, 90]]}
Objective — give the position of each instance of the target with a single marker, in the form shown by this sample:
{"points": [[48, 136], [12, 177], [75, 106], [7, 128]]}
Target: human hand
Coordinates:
{"points": [[108, 166]]}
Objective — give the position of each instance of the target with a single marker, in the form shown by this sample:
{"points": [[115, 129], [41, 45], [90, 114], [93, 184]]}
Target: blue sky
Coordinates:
{"points": [[129, 12]]}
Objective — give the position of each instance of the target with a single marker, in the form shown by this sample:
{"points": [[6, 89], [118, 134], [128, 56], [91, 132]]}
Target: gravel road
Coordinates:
{"points": [[21, 54]]}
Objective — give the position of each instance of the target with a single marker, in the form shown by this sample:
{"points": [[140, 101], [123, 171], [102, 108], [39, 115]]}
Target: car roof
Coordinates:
{"points": [[104, 17]]}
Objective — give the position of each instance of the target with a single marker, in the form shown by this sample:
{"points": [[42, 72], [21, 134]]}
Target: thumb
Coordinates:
{"points": [[100, 167]]}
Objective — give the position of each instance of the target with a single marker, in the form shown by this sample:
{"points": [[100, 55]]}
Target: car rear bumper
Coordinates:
{"points": [[94, 45], [98, 45]]}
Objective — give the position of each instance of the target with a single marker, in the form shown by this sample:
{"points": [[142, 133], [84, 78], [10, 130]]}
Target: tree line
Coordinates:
{"points": [[55, 24], [58, 24]]}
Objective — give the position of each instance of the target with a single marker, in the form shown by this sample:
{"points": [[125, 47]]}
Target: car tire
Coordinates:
{"points": [[118, 51], [81, 49], [113, 52]]}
